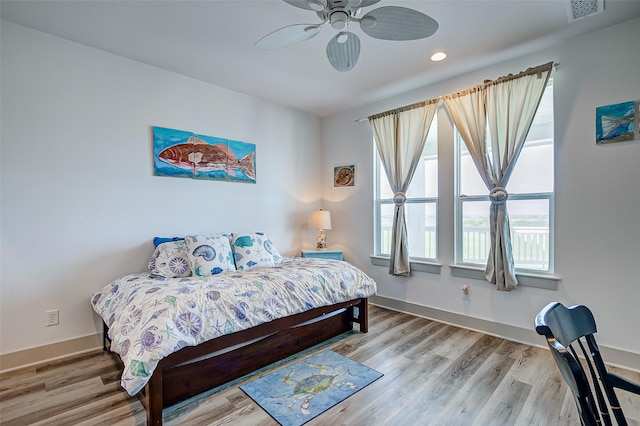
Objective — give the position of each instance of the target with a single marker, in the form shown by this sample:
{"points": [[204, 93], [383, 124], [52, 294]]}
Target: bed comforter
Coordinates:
{"points": [[150, 317]]}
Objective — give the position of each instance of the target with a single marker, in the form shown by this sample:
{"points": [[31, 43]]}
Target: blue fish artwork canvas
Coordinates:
{"points": [[179, 153], [616, 123]]}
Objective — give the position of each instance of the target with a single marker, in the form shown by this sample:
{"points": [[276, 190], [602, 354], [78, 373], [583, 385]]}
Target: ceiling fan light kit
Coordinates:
{"points": [[339, 19], [384, 23]]}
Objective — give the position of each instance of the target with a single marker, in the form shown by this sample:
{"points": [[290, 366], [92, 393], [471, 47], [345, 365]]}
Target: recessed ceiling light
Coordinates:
{"points": [[438, 56]]}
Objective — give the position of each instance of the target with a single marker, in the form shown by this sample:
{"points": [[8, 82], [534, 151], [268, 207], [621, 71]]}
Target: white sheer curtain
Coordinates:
{"points": [[507, 107], [400, 136]]}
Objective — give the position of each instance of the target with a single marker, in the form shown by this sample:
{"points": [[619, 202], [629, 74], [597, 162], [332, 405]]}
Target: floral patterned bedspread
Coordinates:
{"points": [[150, 317]]}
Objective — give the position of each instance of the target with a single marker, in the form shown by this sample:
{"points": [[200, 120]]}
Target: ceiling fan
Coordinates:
{"points": [[343, 50]]}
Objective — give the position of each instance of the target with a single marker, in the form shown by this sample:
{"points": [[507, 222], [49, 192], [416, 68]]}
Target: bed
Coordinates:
{"points": [[178, 336]]}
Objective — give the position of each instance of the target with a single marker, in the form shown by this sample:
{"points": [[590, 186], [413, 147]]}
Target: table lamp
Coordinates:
{"points": [[321, 220]]}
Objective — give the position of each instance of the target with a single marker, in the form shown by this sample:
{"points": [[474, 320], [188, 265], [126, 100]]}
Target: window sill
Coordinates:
{"points": [[547, 282], [416, 265]]}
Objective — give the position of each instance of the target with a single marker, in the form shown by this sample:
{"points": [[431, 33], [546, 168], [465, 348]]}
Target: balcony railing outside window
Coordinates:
{"points": [[530, 245]]}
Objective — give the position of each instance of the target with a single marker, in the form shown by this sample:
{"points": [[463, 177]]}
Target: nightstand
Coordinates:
{"points": [[323, 254]]}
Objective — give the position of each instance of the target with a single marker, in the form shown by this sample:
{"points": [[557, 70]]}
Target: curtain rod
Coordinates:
{"points": [[554, 66]]}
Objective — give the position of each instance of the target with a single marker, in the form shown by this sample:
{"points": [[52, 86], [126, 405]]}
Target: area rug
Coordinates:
{"points": [[299, 392]]}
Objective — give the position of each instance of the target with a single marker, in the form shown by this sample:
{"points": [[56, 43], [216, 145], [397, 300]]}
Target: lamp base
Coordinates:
{"points": [[321, 240]]}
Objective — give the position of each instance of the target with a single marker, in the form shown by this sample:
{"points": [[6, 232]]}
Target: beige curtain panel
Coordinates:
{"points": [[400, 136], [506, 107]]}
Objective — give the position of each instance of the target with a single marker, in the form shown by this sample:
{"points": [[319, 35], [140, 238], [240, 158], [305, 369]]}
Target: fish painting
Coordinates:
{"points": [[615, 123], [611, 124], [179, 153], [200, 156]]}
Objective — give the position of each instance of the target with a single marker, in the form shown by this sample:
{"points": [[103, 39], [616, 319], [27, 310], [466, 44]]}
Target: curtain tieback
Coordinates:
{"points": [[498, 195], [399, 198]]}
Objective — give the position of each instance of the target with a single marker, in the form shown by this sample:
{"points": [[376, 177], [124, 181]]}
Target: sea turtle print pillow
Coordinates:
{"points": [[209, 254]]}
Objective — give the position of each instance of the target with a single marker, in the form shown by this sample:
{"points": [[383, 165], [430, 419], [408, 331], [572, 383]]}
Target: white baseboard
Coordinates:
{"points": [[67, 348], [47, 353], [612, 356]]}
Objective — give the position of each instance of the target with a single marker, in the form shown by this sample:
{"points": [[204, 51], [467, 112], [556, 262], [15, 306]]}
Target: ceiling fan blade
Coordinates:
{"points": [[287, 36], [303, 4], [343, 55], [364, 3], [398, 23]]}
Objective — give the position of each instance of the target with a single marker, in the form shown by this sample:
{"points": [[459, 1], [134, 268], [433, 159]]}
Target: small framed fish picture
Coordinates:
{"points": [[179, 153], [617, 123]]}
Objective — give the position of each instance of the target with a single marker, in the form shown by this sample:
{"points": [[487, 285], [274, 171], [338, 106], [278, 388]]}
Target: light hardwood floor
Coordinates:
{"points": [[434, 374]]}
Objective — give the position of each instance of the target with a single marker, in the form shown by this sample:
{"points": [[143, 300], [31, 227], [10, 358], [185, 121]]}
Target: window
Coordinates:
{"points": [[530, 203], [420, 207]]}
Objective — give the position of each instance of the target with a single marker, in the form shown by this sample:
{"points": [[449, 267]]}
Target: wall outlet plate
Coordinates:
{"points": [[53, 318], [465, 292]]}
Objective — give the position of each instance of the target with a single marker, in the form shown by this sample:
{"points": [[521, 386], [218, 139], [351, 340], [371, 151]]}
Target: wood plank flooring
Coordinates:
{"points": [[434, 374]]}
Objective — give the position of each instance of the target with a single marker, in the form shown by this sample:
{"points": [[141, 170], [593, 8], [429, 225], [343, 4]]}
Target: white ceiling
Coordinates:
{"points": [[213, 40]]}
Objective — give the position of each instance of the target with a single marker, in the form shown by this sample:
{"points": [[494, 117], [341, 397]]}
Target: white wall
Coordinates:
{"points": [[80, 204], [597, 195]]}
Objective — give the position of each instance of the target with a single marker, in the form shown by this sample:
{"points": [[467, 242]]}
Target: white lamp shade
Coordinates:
{"points": [[321, 219]]}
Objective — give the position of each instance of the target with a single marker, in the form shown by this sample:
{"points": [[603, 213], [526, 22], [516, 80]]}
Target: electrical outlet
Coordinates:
{"points": [[53, 318], [465, 292]]}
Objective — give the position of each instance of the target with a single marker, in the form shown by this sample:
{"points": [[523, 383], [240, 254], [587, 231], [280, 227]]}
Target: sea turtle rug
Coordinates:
{"points": [[299, 392]]}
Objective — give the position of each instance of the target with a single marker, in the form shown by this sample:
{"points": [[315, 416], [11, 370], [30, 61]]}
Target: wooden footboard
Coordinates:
{"points": [[196, 369]]}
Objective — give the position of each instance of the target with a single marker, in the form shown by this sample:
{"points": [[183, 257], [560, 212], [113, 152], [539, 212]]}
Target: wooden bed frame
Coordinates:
{"points": [[196, 369]]}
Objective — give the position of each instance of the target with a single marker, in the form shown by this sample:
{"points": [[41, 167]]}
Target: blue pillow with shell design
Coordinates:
{"points": [[170, 260], [253, 250], [209, 254]]}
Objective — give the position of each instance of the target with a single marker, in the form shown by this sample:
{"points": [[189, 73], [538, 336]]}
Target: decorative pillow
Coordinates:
{"points": [[252, 250], [209, 254], [159, 240], [268, 245], [170, 260]]}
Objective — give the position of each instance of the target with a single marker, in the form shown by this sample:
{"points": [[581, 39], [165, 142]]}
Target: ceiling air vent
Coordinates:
{"points": [[579, 9]]}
